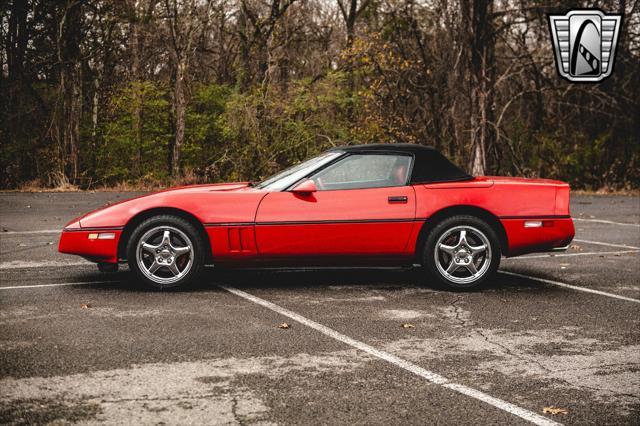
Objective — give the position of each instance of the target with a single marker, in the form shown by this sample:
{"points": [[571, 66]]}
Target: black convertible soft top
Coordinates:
{"points": [[429, 164]]}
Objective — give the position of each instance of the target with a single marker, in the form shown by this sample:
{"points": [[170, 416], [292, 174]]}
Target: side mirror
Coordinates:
{"points": [[305, 188]]}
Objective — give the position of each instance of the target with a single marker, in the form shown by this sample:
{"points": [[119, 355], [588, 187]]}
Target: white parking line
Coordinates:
{"points": [[572, 287], [610, 222], [589, 253], [399, 362], [599, 243], [19, 264], [55, 285], [43, 231]]}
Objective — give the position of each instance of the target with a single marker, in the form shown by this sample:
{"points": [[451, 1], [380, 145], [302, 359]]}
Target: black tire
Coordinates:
{"points": [[479, 232], [182, 234]]}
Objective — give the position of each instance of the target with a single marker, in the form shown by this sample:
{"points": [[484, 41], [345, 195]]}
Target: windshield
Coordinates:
{"points": [[293, 174]]}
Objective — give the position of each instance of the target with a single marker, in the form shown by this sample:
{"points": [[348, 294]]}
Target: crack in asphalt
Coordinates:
{"points": [[458, 311], [466, 323], [234, 411], [603, 366], [617, 393], [514, 354], [116, 401]]}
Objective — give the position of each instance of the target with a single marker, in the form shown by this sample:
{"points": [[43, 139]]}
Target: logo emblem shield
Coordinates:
{"points": [[585, 44]]}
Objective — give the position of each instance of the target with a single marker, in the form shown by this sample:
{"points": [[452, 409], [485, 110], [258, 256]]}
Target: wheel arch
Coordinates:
{"points": [[446, 212], [146, 214]]}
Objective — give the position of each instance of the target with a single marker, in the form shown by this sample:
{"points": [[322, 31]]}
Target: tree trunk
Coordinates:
{"points": [[134, 51], [181, 112], [75, 117], [244, 72], [350, 24], [95, 111], [70, 86], [477, 19]]}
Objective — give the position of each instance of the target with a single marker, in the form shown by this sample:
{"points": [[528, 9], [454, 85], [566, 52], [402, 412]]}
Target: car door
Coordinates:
{"points": [[363, 207]]}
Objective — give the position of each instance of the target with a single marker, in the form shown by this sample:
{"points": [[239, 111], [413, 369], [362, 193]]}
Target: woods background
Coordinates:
{"points": [[158, 92]]}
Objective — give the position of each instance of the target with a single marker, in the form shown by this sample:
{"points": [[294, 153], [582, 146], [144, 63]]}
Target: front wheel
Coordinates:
{"points": [[462, 252], [166, 251]]}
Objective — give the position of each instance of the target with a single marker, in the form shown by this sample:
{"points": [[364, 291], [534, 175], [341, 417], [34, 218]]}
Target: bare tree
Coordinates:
{"points": [[350, 12], [185, 21], [255, 30], [477, 27], [139, 13], [68, 50]]}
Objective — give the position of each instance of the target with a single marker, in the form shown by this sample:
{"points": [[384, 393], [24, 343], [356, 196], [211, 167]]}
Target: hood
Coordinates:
{"points": [[194, 199], [233, 186], [187, 189]]}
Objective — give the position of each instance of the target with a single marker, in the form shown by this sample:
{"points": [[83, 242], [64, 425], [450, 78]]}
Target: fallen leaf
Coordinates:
{"points": [[407, 325], [85, 305], [576, 247], [284, 325], [554, 410]]}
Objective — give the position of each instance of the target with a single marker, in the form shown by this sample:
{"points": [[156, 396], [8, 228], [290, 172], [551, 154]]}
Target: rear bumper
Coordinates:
{"points": [[77, 241], [555, 234]]}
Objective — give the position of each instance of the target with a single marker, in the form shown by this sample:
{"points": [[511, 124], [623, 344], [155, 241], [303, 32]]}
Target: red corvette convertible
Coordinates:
{"points": [[390, 204]]}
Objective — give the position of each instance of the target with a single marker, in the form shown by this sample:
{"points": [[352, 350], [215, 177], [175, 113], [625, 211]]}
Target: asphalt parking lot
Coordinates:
{"points": [[557, 331]]}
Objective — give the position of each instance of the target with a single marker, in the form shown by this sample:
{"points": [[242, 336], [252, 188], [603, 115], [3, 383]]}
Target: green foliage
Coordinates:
{"points": [[124, 153], [204, 134], [267, 131], [584, 161], [229, 135]]}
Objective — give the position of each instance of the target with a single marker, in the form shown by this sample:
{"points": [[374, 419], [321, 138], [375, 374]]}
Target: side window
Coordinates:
{"points": [[365, 171]]}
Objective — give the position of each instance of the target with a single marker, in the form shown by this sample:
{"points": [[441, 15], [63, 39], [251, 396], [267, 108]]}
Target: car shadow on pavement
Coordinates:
{"points": [[390, 279], [124, 280], [380, 279]]}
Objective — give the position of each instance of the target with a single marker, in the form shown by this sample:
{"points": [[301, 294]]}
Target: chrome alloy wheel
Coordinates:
{"points": [[462, 254], [164, 254]]}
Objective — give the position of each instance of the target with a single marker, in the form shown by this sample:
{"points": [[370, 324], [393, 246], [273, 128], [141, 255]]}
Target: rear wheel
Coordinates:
{"points": [[462, 252], [166, 251]]}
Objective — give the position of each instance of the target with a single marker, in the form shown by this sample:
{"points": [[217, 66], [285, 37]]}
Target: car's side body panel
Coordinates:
{"points": [[358, 222], [232, 242]]}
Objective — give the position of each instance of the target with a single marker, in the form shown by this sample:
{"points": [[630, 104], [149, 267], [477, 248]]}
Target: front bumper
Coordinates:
{"points": [[76, 241]]}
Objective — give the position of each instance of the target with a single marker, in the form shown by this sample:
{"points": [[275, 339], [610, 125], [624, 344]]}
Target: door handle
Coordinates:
{"points": [[398, 199]]}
